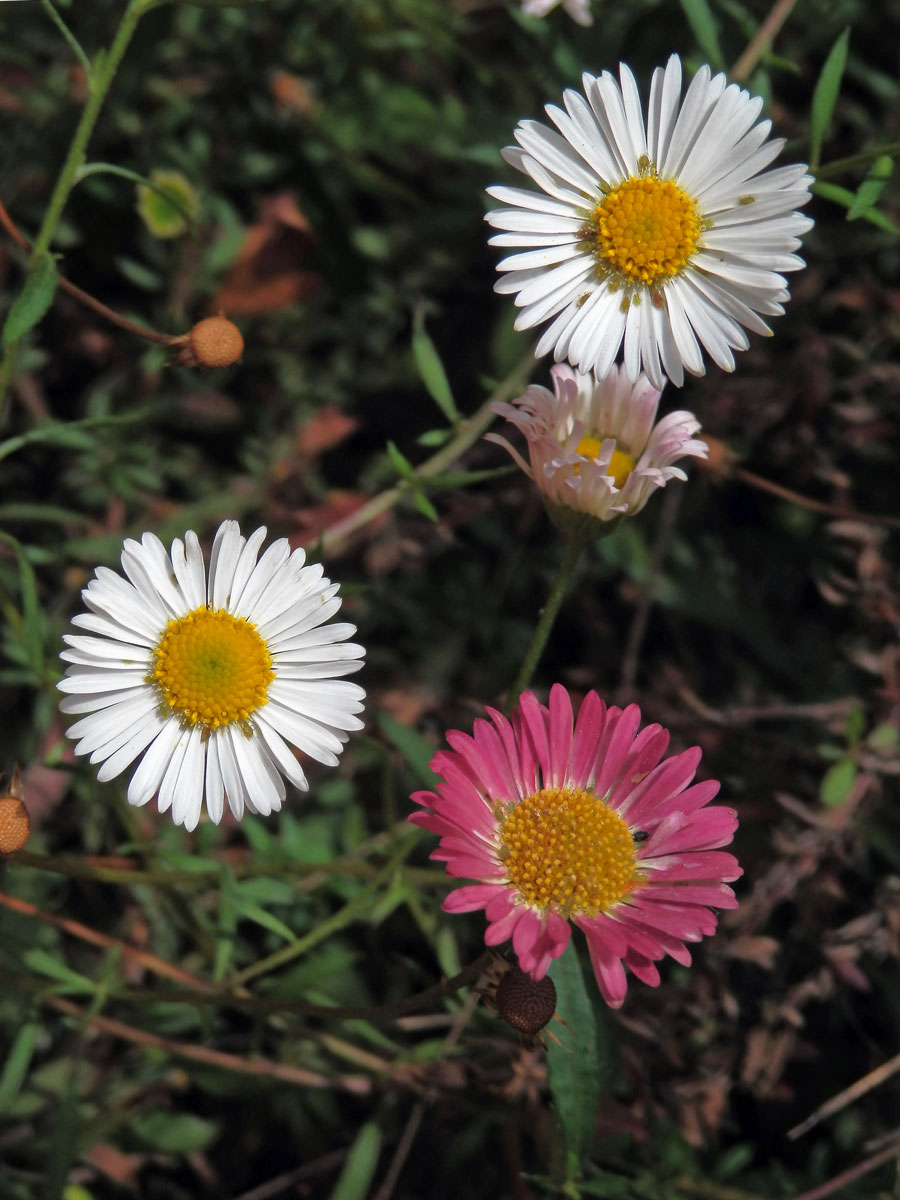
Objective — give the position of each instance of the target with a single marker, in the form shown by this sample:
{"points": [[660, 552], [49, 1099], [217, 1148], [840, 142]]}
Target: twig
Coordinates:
{"points": [[762, 39], [850, 1176], [280, 1183], [408, 1137], [245, 1002], [847, 1096], [357, 1084], [829, 510], [143, 958]]}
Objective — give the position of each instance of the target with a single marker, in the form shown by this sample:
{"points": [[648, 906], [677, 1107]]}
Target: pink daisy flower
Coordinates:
{"points": [[595, 445], [581, 821]]}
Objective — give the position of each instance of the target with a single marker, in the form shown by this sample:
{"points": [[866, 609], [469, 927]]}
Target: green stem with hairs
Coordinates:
{"points": [[840, 165], [100, 78], [571, 554]]}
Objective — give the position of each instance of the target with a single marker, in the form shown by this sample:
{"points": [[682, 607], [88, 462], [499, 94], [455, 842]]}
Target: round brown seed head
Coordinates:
{"points": [[14, 824], [524, 1003], [215, 342]]}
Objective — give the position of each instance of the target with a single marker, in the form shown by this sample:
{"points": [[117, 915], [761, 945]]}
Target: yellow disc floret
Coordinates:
{"points": [[565, 850], [620, 465], [212, 668], [644, 232]]}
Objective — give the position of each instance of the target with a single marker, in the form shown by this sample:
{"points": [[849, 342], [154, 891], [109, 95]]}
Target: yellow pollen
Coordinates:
{"points": [[645, 231], [620, 465], [564, 850], [211, 668]]}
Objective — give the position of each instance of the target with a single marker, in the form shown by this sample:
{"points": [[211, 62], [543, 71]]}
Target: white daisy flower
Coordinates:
{"points": [[578, 10], [595, 448], [211, 679], [669, 235]]}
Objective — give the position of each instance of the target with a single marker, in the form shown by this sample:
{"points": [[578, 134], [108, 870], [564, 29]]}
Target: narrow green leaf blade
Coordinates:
{"points": [[825, 95], [32, 617], [431, 370], [869, 191], [573, 1070], [400, 462], [16, 1066], [425, 507], [33, 300], [705, 30], [356, 1178]]}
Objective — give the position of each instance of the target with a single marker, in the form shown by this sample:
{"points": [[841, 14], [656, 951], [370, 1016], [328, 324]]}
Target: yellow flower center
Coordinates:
{"points": [[565, 850], [620, 465], [211, 668], [645, 231]]}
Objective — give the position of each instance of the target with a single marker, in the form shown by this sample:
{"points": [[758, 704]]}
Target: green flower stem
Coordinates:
{"points": [[840, 165], [100, 78], [71, 40], [360, 903], [467, 434], [571, 554]]}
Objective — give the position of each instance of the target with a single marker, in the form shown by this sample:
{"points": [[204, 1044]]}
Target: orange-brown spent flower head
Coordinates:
{"points": [[524, 1003], [15, 824], [721, 459], [213, 342]]}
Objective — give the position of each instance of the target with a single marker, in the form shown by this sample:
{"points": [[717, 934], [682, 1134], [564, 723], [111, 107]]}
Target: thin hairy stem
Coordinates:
{"points": [[571, 554]]}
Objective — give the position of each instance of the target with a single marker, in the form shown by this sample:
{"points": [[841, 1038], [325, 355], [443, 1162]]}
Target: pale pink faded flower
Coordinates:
{"points": [[578, 10], [566, 819], [594, 445]]}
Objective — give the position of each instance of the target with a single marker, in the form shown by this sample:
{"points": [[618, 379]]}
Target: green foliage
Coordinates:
{"points": [[432, 369], [573, 1067], [825, 95], [229, 1010], [33, 301], [705, 29], [356, 1178]]}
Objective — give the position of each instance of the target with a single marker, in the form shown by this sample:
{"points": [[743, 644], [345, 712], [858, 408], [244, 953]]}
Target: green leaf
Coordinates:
{"points": [[825, 96], [355, 1180], [33, 301], [26, 511], [254, 912], [39, 960], [32, 616], [174, 1132], [869, 191], [71, 434], [417, 753], [434, 437], [883, 737], [705, 30], [431, 369], [840, 195], [855, 725], [400, 462], [17, 1062], [573, 1070], [425, 507], [837, 783]]}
